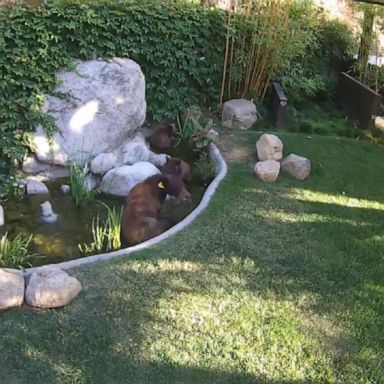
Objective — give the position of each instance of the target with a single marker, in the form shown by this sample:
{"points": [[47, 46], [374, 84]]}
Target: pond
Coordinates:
{"points": [[58, 241]]}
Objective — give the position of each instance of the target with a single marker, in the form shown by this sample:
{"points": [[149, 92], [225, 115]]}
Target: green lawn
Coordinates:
{"points": [[274, 283]]}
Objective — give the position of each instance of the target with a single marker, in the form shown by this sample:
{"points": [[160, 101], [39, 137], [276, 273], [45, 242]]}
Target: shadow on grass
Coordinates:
{"points": [[306, 268]]}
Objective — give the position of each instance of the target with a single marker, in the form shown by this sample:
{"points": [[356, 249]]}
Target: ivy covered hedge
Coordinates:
{"points": [[180, 49]]}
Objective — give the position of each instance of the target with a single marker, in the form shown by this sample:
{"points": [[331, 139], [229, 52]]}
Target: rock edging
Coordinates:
{"points": [[221, 171]]}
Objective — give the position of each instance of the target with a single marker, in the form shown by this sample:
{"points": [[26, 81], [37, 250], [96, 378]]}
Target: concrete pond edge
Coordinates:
{"points": [[221, 171]]}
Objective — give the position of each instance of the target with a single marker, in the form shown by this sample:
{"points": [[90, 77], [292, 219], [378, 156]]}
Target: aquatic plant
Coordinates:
{"points": [[113, 227], [106, 235], [192, 130], [14, 252], [98, 236], [77, 177], [205, 168]]}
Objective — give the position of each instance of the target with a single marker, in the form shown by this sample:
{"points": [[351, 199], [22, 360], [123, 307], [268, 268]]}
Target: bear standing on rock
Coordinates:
{"points": [[141, 219]]}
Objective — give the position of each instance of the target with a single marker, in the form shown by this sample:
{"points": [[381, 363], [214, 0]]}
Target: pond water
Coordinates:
{"points": [[57, 242]]}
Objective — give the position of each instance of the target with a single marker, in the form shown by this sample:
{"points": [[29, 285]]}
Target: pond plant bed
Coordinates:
{"points": [[58, 242]]}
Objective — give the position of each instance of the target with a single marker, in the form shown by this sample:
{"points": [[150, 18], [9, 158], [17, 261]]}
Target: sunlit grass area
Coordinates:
{"points": [[274, 283]]}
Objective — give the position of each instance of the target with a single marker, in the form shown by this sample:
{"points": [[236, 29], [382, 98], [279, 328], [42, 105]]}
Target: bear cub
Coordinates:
{"points": [[177, 167], [141, 220]]}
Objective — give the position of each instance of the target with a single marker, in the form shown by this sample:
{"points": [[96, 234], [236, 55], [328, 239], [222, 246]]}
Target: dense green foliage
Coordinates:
{"points": [[180, 48], [320, 49]]}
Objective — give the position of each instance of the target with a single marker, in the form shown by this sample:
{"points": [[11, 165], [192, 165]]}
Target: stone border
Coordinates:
{"points": [[221, 171]]}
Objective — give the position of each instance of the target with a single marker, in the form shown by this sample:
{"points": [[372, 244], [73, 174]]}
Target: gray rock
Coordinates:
{"points": [[32, 165], [137, 150], [65, 189], [35, 187], [269, 147], [297, 166], [50, 287], [267, 170], [239, 113], [47, 213], [106, 107], [91, 182], [2, 221], [119, 181], [103, 162], [11, 288]]}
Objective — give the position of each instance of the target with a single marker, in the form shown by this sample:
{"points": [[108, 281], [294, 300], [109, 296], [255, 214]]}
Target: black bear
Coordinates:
{"points": [[164, 136], [141, 219], [177, 167]]}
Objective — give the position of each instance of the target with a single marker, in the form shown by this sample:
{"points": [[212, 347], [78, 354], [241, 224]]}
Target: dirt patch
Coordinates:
{"points": [[236, 148]]}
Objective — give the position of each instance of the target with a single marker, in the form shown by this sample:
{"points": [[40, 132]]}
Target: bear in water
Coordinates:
{"points": [[141, 220], [177, 167]]}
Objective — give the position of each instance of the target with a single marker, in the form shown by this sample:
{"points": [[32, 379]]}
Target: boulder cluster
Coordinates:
{"points": [[44, 287], [269, 150]]}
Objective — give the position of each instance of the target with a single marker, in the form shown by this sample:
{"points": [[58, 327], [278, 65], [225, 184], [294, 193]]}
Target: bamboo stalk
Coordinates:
{"points": [[225, 61]]}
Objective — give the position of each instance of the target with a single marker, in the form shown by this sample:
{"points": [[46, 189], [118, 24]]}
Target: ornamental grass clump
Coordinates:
{"points": [[77, 177], [14, 252]]}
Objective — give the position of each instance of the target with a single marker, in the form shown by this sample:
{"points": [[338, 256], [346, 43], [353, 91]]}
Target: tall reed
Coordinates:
{"points": [[258, 39], [14, 253]]}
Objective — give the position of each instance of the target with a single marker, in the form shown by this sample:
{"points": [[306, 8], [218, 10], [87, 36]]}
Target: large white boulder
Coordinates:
{"points": [[267, 170], [11, 288], [50, 287], [269, 147], [119, 181], [297, 166], [105, 106], [239, 113]]}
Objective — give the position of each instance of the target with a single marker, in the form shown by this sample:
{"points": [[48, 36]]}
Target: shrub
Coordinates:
{"points": [[205, 168]]}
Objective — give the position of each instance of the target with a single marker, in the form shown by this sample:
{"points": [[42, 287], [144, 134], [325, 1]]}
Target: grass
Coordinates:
{"points": [[274, 283]]}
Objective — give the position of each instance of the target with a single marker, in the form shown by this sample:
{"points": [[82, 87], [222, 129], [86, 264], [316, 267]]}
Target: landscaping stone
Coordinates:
{"points": [[91, 182], [269, 147], [47, 213], [2, 221], [50, 287], [65, 189], [239, 113], [11, 288], [32, 165], [103, 162], [137, 150], [35, 187], [297, 166], [379, 123], [119, 181], [267, 170], [106, 107]]}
